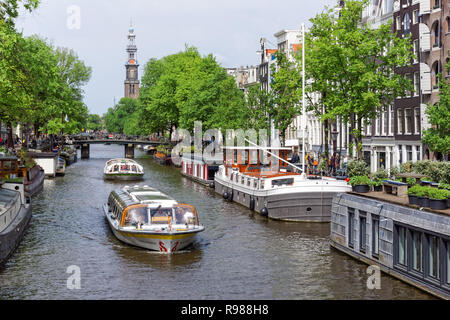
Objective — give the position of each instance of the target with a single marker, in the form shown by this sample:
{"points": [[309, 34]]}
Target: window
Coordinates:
{"points": [[400, 153], [409, 78], [433, 257], [408, 121], [416, 251], [416, 50], [417, 120], [375, 234], [401, 248], [391, 127], [377, 126], [235, 156], [351, 227], [398, 23], [436, 35], [436, 4], [362, 231], [448, 263], [400, 121], [384, 123], [406, 24], [416, 83], [415, 16], [408, 153]]}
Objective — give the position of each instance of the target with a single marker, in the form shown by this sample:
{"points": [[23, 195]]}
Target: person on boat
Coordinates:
{"points": [[295, 158]]}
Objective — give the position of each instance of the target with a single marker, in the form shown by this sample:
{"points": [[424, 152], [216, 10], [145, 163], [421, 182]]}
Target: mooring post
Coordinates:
{"points": [[129, 151], [85, 151]]}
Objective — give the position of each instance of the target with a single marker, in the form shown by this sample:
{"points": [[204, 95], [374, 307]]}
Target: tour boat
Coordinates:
{"points": [[123, 169], [268, 188], [15, 215], [145, 217], [163, 158], [61, 167]]}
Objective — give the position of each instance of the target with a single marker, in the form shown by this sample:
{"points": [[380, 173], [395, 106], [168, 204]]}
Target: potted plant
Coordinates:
{"points": [[378, 178], [446, 186], [412, 194], [422, 197], [360, 184], [438, 198]]}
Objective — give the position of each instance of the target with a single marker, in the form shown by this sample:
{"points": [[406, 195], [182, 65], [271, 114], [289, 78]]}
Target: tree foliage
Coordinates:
{"points": [[438, 136], [353, 65], [185, 87]]}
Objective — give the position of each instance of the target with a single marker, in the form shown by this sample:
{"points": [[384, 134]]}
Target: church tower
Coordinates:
{"points": [[132, 67]]}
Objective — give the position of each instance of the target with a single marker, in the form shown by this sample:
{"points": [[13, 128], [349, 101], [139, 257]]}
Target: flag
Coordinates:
{"points": [[67, 118]]}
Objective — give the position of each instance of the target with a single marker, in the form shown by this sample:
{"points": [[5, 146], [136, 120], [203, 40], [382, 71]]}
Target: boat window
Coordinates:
{"points": [[116, 167], [161, 215], [185, 214], [125, 167], [136, 215], [280, 182]]}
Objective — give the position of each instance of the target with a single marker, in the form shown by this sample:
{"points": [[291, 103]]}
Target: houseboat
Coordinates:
{"points": [[163, 157], [69, 154], [195, 167], [145, 217], [47, 161], [15, 215], [61, 167], [407, 242], [267, 187], [30, 174], [123, 169]]}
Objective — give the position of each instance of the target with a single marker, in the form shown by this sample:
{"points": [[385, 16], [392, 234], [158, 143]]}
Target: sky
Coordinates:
{"points": [[97, 31]]}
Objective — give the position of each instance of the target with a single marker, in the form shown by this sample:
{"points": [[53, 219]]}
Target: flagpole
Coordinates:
{"points": [[303, 101]]}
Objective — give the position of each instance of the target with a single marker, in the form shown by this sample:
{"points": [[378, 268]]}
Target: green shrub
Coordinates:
{"points": [[437, 194], [394, 171], [414, 189], [445, 186], [357, 168], [358, 180], [405, 167]]}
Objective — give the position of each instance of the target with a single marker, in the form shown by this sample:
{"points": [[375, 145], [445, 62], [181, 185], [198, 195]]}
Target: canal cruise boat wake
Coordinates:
{"points": [[147, 218], [273, 191], [123, 169]]}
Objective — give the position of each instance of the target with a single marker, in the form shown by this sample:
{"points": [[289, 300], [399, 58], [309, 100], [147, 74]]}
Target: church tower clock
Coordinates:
{"points": [[132, 67]]}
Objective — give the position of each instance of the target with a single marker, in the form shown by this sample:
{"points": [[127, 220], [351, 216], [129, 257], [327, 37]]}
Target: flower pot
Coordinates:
{"points": [[412, 199], [448, 202], [361, 188], [423, 201], [377, 188], [438, 204]]}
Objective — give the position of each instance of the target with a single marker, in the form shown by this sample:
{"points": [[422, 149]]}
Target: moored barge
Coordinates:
{"points": [[270, 189], [410, 244]]}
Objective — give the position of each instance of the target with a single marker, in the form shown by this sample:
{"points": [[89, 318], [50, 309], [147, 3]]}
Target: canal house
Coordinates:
{"points": [[410, 244]]}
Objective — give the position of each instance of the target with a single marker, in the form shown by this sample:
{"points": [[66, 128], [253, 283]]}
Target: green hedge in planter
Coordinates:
{"points": [[360, 180], [437, 194], [414, 190]]}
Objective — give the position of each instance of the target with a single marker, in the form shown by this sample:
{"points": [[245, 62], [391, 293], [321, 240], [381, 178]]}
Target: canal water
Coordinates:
{"points": [[240, 255]]}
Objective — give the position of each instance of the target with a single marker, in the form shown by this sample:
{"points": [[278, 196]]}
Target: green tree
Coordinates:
{"points": [[9, 9], [259, 105], [353, 66], [116, 118], [286, 89], [94, 122], [438, 136]]}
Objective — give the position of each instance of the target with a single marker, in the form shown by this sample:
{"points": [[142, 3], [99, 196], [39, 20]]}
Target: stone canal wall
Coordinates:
{"points": [[410, 244]]}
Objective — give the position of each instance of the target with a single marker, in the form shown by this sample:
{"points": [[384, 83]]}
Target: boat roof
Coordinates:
{"points": [[121, 160], [143, 194], [8, 158]]}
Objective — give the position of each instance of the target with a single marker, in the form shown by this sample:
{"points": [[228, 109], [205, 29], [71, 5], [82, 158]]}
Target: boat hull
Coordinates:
{"points": [[36, 184], [301, 206], [156, 242], [124, 177], [11, 237]]}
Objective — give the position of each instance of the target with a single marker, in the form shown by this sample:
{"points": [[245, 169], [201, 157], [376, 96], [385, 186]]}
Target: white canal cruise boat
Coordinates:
{"points": [[273, 191], [147, 218], [123, 169]]}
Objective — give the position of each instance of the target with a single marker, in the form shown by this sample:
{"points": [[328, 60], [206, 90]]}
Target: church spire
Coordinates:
{"points": [[132, 66]]}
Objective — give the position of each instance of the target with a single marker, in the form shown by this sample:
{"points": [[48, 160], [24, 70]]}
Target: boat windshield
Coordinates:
{"points": [[142, 214]]}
